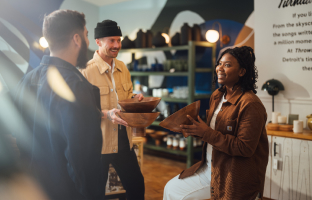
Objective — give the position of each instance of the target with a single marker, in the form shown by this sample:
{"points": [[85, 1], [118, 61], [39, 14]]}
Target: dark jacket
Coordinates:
{"points": [[66, 136], [240, 147]]}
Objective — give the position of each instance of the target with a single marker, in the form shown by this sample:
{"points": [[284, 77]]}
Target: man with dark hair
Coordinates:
{"points": [[114, 81], [65, 117]]}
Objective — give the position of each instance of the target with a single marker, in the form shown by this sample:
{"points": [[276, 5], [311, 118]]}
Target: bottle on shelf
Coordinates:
{"points": [[169, 141], [182, 144]]}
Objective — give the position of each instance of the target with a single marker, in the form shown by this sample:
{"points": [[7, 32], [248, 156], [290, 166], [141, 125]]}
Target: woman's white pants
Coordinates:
{"points": [[194, 187]]}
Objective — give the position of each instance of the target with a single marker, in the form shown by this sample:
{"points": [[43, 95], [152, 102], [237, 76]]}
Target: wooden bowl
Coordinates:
{"points": [[148, 104], [174, 121], [138, 121], [158, 136]]}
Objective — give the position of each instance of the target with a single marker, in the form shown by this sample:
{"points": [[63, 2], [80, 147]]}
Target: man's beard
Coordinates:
{"points": [[82, 56]]}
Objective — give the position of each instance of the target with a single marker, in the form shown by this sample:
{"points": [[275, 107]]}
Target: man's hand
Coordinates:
{"points": [[139, 96], [197, 129], [111, 115]]}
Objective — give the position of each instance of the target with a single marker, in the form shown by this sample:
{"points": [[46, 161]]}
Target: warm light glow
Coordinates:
{"points": [[58, 84], [166, 36], [43, 42], [212, 36], [121, 39]]}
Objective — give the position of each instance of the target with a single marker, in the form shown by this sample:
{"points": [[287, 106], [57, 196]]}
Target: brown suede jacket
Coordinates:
{"points": [[240, 147]]}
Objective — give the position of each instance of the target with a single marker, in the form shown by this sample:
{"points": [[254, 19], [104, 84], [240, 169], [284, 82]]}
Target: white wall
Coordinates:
{"points": [[297, 97], [91, 13]]}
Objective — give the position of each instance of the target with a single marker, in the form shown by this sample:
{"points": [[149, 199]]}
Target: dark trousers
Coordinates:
{"points": [[127, 167]]}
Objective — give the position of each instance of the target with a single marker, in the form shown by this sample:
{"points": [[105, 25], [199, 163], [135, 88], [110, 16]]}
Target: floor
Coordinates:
{"points": [[157, 172]]}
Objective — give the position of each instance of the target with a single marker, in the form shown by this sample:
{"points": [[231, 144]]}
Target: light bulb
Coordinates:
{"points": [[43, 42], [166, 36], [212, 36]]}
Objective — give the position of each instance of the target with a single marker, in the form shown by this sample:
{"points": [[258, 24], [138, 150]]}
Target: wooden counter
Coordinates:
{"points": [[306, 135]]}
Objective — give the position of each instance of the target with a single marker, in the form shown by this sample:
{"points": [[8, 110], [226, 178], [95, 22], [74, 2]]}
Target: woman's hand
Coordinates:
{"points": [[197, 129]]}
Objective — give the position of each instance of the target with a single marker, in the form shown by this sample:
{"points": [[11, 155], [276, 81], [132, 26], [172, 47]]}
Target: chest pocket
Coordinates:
{"points": [[230, 126], [124, 91], [104, 90]]}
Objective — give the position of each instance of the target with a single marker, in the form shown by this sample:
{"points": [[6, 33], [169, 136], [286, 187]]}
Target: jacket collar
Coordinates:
{"points": [[58, 62], [233, 99], [102, 65]]}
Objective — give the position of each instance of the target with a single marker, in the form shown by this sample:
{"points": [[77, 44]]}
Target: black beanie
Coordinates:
{"points": [[106, 28]]}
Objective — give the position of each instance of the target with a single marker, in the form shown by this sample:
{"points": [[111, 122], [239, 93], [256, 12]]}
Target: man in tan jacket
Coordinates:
{"points": [[114, 81]]}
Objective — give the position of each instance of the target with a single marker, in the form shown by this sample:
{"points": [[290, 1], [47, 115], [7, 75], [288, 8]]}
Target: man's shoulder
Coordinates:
{"points": [[91, 65], [120, 64]]}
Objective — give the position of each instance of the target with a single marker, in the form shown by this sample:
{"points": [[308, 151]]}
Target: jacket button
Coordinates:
{"points": [[112, 90], [114, 129], [114, 150]]}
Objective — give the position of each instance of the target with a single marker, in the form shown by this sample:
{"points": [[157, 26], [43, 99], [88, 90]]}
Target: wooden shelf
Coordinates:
{"points": [[306, 135], [190, 74], [183, 47]]}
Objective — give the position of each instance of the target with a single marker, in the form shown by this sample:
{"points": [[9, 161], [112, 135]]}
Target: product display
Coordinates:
{"points": [[133, 115]]}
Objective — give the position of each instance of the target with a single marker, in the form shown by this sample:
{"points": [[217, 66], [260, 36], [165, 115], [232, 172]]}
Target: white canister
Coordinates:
{"points": [[274, 117], [298, 126], [175, 143], [182, 144], [169, 141], [281, 119]]}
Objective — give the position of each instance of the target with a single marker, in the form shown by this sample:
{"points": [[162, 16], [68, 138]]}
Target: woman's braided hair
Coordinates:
{"points": [[246, 59]]}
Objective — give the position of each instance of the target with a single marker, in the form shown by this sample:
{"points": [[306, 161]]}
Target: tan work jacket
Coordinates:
{"points": [[98, 73], [240, 147]]}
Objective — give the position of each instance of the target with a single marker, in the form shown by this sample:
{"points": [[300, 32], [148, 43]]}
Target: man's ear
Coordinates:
{"points": [[98, 42], [77, 40]]}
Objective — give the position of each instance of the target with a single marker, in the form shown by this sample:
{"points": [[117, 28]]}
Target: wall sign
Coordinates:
{"points": [[283, 44]]}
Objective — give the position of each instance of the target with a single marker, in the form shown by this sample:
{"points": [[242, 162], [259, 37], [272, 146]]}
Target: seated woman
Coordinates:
{"points": [[236, 146]]}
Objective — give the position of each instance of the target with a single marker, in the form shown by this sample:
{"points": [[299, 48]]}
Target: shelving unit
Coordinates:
{"points": [[191, 48]]}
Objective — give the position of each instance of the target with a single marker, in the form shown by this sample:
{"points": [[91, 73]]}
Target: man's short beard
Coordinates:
{"points": [[82, 56]]}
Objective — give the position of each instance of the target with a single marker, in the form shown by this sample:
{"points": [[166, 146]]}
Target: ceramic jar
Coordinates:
{"points": [[176, 40], [169, 141], [186, 34], [175, 143], [309, 122], [196, 36], [140, 41], [182, 144], [149, 38], [159, 40], [126, 43]]}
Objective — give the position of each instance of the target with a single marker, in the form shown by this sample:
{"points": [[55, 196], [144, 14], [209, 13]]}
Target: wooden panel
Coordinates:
{"points": [[292, 179], [267, 181], [306, 135]]}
